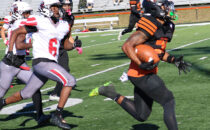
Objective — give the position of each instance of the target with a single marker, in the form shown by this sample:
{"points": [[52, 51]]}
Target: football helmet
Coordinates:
{"points": [[163, 9], [45, 5], [14, 10], [24, 7], [67, 2], [18, 8]]}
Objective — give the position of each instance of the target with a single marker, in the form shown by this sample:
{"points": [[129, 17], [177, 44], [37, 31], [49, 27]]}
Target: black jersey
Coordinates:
{"points": [[158, 34]]}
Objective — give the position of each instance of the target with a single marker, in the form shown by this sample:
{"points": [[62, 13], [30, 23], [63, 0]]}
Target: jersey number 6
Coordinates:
{"points": [[53, 44]]}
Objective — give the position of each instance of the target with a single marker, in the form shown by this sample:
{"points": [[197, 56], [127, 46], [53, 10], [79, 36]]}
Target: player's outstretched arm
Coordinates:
{"points": [[178, 61], [135, 39]]}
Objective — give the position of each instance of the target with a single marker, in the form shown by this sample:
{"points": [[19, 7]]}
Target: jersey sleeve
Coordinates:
{"points": [[30, 24], [148, 25], [31, 21]]}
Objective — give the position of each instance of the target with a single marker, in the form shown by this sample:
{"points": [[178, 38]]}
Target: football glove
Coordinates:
{"points": [[6, 42], [182, 65], [77, 42], [10, 56], [148, 65]]}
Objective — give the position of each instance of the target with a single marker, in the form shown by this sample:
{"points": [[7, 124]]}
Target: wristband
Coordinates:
{"points": [[170, 58]]}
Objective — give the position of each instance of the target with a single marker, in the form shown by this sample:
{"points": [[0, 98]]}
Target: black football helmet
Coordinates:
{"points": [[160, 9], [67, 2]]}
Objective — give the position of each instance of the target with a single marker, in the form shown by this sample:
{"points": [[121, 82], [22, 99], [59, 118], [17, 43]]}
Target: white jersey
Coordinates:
{"points": [[18, 23], [46, 41]]}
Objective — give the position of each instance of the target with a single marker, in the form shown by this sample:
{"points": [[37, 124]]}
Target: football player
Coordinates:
{"points": [[63, 58], [14, 65], [6, 27], [135, 15], [48, 32], [154, 29]]}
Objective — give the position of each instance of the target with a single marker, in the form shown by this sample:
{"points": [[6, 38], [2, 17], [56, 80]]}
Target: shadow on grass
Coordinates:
{"points": [[115, 56], [36, 127], [145, 127], [33, 116], [187, 52]]}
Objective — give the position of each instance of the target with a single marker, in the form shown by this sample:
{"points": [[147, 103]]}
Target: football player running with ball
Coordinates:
{"points": [[154, 29], [48, 32]]}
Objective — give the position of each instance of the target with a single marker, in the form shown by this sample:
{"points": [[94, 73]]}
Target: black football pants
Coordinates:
{"points": [[147, 89]]}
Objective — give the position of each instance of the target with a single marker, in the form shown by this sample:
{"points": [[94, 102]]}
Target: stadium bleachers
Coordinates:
{"points": [[99, 5]]}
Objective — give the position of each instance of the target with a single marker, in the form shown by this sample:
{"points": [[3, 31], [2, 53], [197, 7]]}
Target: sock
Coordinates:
{"points": [[117, 97], [4, 102], [37, 101], [59, 111]]}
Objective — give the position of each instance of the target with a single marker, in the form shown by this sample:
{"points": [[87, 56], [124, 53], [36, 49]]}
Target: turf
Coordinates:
{"points": [[102, 51]]}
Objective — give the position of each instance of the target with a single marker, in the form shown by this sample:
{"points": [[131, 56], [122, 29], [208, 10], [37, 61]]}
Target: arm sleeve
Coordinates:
{"points": [[134, 9], [30, 29], [147, 25]]}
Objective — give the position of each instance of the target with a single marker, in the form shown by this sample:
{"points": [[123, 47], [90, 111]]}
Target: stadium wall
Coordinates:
{"points": [[186, 15]]}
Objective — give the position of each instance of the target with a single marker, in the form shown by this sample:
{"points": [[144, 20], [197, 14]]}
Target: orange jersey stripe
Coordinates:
{"points": [[146, 29], [133, 2], [147, 25], [149, 22]]}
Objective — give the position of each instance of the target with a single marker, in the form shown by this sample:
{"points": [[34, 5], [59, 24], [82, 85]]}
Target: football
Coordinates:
{"points": [[146, 53]]}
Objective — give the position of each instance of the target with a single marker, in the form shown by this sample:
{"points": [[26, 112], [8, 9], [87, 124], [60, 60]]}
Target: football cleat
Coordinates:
{"points": [[106, 90], [94, 92], [43, 119], [123, 77], [120, 35], [58, 121]]}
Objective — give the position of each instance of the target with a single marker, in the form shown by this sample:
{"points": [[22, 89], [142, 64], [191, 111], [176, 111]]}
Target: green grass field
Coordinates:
{"points": [[102, 51]]}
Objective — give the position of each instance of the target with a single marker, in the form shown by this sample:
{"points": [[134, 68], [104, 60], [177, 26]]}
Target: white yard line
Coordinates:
{"points": [[112, 68], [180, 25], [189, 44], [103, 44]]}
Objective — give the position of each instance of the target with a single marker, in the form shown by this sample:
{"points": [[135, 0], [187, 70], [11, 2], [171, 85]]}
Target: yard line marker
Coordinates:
{"points": [[95, 65], [202, 58]]}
